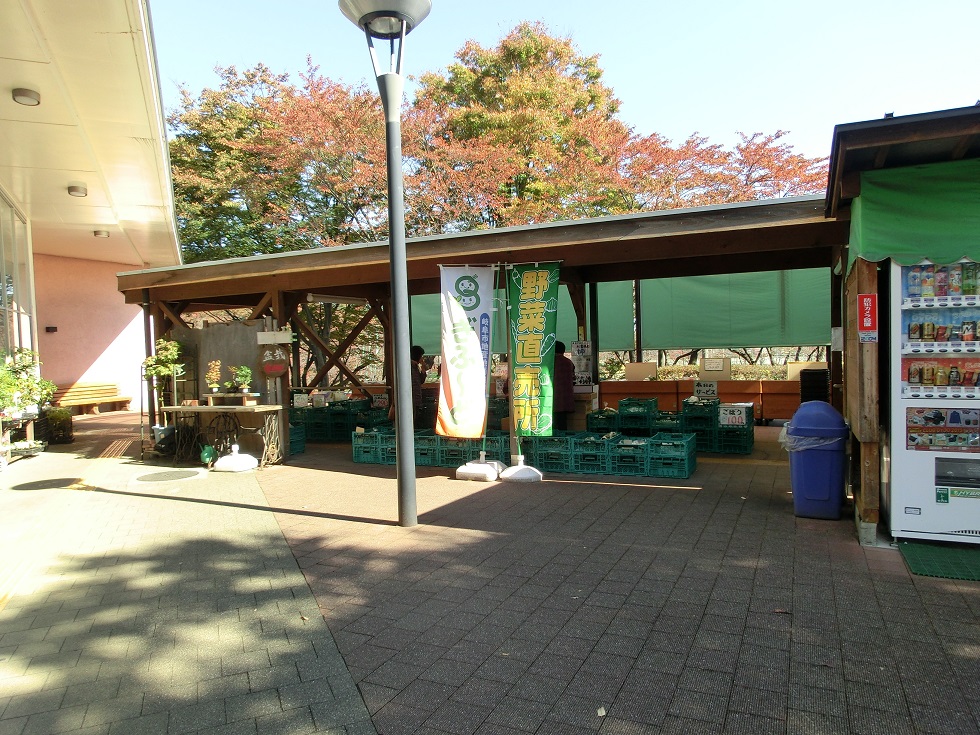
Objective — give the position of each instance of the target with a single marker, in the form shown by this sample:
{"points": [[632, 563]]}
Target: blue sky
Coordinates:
{"points": [[711, 67]]}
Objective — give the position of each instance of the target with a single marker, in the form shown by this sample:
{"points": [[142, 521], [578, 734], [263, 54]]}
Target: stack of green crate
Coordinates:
{"points": [[603, 421], [669, 421], [366, 445], [699, 416], [736, 439], [590, 452], [549, 453], [636, 415], [297, 438], [630, 456], [672, 455], [427, 448]]}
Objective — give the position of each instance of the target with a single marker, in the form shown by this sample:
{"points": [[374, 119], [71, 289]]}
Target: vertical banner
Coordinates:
{"points": [[466, 297], [533, 297]]}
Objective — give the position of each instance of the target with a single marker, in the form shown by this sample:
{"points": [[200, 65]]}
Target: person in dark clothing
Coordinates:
{"points": [[418, 377], [563, 399]]}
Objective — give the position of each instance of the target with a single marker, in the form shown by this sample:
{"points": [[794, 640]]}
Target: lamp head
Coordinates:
{"points": [[383, 18]]}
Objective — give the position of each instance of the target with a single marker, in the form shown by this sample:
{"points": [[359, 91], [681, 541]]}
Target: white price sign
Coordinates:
{"points": [[733, 415], [706, 389]]}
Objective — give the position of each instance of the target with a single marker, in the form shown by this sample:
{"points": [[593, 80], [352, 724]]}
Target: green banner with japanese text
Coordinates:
{"points": [[532, 296]]}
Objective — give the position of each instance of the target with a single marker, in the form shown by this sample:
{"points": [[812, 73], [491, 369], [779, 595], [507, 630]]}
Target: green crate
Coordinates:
{"points": [[701, 407], [676, 467], [590, 452], [453, 451], [297, 438], [733, 440], [386, 455], [602, 421], [426, 439], [630, 466], [638, 422], [633, 406], [559, 441], [426, 456], [497, 446], [629, 457], [666, 421], [672, 445], [364, 454], [548, 460]]}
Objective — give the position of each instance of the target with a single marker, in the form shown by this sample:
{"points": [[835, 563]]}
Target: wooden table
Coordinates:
{"points": [[223, 428]]}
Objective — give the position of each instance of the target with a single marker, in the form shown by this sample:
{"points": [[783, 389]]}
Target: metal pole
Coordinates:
{"points": [[390, 86]]}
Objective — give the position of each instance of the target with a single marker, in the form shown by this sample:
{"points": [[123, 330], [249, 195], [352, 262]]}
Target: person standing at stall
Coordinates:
{"points": [[563, 399]]}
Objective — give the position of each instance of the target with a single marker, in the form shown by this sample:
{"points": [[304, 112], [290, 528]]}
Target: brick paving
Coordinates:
{"points": [[575, 605]]}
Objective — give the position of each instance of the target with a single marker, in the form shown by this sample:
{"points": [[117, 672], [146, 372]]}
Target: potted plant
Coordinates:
{"points": [[242, 377], [164, 367], [60, 430], [22, 389], [213, 375]]}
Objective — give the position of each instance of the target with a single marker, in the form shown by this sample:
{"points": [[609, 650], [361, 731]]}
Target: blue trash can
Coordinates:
{"points": [[816, 441]]}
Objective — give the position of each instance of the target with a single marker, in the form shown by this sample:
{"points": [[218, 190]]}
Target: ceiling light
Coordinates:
{"points": [[29, 97], [101, 233], [78, 190]]}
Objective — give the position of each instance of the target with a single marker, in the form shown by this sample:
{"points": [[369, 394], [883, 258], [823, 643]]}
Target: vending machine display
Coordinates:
{"points": [[935, 406]]}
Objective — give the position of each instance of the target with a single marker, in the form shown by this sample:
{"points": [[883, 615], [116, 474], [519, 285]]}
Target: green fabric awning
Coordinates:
{"points": [[929, 212]]}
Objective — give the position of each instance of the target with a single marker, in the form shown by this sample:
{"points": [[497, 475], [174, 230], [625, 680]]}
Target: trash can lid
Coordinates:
{"points": [[817, 418]]}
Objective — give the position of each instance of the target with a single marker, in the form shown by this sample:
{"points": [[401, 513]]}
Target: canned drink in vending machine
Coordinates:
{"points": [[915, 374], [928, 332], [915, 331], [956, 280], [941, 284], [968, 331], [969, 279], [927, 284]]}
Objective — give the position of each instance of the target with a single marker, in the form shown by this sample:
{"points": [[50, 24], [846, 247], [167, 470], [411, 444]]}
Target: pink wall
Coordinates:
{"points": [[99, 337]]}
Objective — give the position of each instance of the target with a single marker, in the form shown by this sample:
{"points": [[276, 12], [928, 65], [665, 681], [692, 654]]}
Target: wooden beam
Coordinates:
{"points": [[262, 305], [172, 315]]}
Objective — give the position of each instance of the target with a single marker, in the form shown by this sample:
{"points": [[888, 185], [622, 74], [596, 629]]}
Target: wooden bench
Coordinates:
{"points": [[89, 396]]}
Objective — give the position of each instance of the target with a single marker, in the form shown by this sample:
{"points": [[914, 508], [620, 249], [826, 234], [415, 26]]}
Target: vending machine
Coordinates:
{"points": [[934, 452]]}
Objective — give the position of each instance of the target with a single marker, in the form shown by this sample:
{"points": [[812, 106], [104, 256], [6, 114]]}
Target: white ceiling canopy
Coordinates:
{"points": [[98, 127]]}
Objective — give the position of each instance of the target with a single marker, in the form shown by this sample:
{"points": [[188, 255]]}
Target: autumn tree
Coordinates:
{"points": [[542, 103], [226, 193]]}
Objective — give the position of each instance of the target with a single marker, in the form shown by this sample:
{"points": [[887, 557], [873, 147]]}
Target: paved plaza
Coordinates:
{"points": [[138, 597]]}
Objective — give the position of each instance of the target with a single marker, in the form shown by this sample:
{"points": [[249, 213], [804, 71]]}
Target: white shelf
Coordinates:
{"points": [[940, 302], [940, 348], [950, 392]]}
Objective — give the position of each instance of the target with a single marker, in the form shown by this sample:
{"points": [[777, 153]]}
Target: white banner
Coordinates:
{"points": [[466, 297]]}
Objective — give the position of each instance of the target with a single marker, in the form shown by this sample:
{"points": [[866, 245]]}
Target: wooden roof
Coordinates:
{"points": [[894, 142], [767, 235]]}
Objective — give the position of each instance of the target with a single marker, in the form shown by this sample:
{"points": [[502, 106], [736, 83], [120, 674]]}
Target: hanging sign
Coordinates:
{"points": [[466, 299], [533, 296], [706, 389], [867, 317], [275, 361]]}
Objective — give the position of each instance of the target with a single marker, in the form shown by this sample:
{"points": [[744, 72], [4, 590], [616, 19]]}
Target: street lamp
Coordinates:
{"points": [[391, 20]]}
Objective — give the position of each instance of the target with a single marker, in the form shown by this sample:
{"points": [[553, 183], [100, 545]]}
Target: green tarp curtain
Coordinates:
{"points": [[772, 309], [929, 212]]}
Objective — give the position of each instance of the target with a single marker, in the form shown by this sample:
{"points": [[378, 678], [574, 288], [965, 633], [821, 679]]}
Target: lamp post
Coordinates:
{"points": [[391, 20]]}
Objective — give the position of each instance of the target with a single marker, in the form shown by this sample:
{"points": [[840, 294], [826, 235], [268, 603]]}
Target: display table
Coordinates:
{"points": [[232, 399], [221, 426]]}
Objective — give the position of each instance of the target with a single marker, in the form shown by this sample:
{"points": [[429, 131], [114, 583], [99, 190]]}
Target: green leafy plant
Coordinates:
{"points": [[21, 385], [241, 375], [166, 362]]}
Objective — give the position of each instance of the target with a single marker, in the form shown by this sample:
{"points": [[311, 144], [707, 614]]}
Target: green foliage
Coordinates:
{"points": [[241, 375], [20, 382], [166, 362]]}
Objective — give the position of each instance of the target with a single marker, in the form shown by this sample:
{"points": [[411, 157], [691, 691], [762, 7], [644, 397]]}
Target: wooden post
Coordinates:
{"points": [[861, 395]]}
